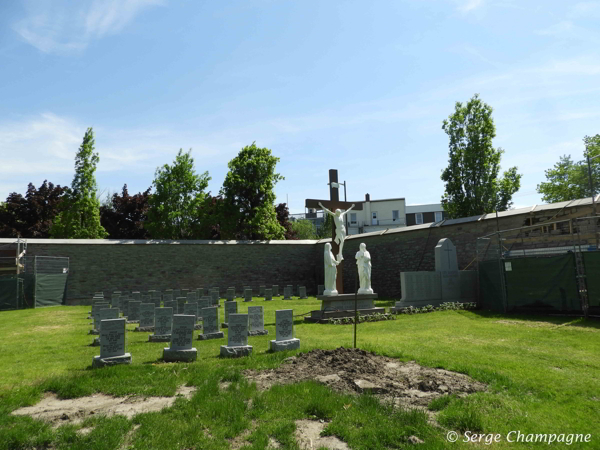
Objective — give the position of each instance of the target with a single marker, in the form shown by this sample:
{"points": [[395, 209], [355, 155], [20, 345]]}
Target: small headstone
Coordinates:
{"points": [[103, 314], [134, 311], [191, 308], [125, 306], [180, 302], [163, 325], [320, 289], [268, 295], [204, 302], [230, 308], [261, 291], [287, 293], [136, 295], [275, 290], [256, 321], [171, 304], [247, 295], [167, 297], [210, 324], [112, 344], [291, 288], [237, 337], [115, 301], [284, 331], [99, 294], [184, 292], [182, 340], [302, 292], [146, 298], [176, 293], [146, 317], [214, 295], [230, 295], [206, 291], [192, 296]]}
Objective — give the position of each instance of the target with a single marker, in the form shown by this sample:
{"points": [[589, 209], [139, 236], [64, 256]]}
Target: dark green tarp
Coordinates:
{"points": [[50, 289], [8, 292], [543, 284], [490, 286], [591, 260]]}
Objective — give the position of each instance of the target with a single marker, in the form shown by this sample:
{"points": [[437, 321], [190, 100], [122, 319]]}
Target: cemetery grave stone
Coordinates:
{"points": [[261, 291], [99, 294], [214, 294], [115, 301], [275, 290], [206, 291], [284, 331], [125, 306], [146, 317], [291, 289], [237, 337], [163, 318], [256, 321], [136, 295], [230, 295], [230, 308], [247, 295], [302, 292], [100, 313], [191, 308], [184, 292], [171, 304], [134, 311], [268, 295], [210, 324], [167, 297], [180, 302], [112, 344], [204, 302], [320, 289], [182, 340], [192, 296], [176, 293], [104, 314], [287, 293]]}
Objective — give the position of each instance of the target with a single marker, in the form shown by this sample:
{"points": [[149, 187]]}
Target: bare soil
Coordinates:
{"points": [[354, 371], [58, 412]]}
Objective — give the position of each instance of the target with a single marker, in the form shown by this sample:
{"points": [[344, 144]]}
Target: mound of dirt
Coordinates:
{"points": [[355, 371], [58, 412]]}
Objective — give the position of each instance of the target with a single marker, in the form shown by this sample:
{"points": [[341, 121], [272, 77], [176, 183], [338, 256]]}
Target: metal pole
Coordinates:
{"points": [[345, 215], [592, 192], [502, 279], [355, 306]]}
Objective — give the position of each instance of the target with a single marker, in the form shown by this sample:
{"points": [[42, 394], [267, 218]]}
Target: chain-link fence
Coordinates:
{"points": [[549, 267]]}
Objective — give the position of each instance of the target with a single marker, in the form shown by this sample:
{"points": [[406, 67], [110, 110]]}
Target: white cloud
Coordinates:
{"points": [[466, 6], [58, 27], [586, 10]]}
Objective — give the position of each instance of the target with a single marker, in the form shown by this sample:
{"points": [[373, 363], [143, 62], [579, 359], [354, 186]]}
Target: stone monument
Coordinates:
{"points": [[284, 332], [210, 324], [134, 311], [146, 317], [247, 295], [268, 295], [275, 290], [237, 337], [182, 339], [256, 320], [163, 324], [230, 308], [302, 292], [112, 344]]}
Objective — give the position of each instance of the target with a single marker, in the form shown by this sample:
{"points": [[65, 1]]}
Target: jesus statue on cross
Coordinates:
{"points": [[340, 229]]}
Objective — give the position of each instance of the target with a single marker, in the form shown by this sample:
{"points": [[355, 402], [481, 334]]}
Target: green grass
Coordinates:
{"points": [[543, 374]]}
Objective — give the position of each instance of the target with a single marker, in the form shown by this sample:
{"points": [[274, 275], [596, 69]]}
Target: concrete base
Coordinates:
{"points": [[133, 321], [217, 335], [112, 361], [96, 342], [96, 332], [281, 346], [144, 329], [258, 333], [320, 316], [188, 355], [159, 338], [415, 304], [236, 352], [224, 325]]}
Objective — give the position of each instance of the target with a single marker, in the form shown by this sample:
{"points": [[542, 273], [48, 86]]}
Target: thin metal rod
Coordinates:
{"points": [[355, 307]]}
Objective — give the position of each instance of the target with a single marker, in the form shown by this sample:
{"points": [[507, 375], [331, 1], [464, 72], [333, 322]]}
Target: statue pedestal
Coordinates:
{"points": [[342, 305]]}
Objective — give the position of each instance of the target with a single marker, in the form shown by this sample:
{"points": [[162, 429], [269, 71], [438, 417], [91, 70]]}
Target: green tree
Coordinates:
{"points": [[80, 210], [249, 197], [175, 208], [304, 229], [326, 230], [471, 178], [569, 180]]}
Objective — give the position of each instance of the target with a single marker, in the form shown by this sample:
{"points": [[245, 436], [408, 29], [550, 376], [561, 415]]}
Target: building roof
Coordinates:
{"points": [[430, 207]]}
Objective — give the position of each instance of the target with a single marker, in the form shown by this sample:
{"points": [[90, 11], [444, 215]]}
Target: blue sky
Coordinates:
{"points": [[358, 86]]}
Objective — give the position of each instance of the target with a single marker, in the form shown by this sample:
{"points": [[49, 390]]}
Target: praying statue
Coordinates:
{"points": [[330, 271], [363, 261], [340, 229]]}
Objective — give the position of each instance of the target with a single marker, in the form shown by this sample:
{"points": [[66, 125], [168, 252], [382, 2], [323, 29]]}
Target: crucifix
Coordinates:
{"points": [[330, 205]]}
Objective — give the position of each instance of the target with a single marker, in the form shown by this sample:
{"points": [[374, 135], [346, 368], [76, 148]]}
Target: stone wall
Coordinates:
{"points": [[142, 265]]}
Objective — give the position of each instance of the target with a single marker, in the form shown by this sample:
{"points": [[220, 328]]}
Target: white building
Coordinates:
{"points": [[419, 214], [377, 215]]}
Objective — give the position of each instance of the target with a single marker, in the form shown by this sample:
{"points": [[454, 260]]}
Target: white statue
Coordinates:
{"points": [[363, 261], [330, 271], [340, 229]]}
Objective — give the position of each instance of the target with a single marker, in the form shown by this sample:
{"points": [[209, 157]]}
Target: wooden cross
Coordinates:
{"points": [[332, 204]]}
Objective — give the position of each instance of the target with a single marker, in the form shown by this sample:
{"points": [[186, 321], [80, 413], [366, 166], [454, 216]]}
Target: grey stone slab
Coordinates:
{"points": [[159, 338], [192, 296], [208, 336], [210, 320], [112, 338], [287, 293], [191, 308], [302, 292], [180, 355], [136, 295], [468, 285], [167, 298], [261, 291], [268, 295], [231, 307], [171, 304], [281, 346], [134, 310], [99, 361], [235, 352], [125, 306], [450, 285], [147, 315], [180, 304], [204, 302], [445, 256], [320, 289], [105, 314], [206, 291], [230, 295], [284, 324], [214, 295], [256, 320], [176, 293], [420, 286], [237, 335], [247, 295], [182, 335], [275, 289], [163, 321]]}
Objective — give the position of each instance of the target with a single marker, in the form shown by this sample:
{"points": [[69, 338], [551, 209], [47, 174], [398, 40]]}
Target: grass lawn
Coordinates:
{"points": [[543, 375]]}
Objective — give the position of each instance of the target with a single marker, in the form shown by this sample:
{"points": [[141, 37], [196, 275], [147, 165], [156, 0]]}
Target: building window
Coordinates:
{"points": [[419, 218], [438, 216], [353, 218], [395, 215]]}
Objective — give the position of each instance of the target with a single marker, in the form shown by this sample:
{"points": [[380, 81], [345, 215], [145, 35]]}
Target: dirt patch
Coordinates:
{"points": [[355, 371], [530, 324], [308, 436], [58, 412]]}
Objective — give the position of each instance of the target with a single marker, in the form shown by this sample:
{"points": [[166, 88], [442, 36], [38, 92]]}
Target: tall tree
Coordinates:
{"points": [[569, 180], [178, 197], [80, 215], [283, 217], [471, 178], [304, 229], [249, 196], [124, 216]]}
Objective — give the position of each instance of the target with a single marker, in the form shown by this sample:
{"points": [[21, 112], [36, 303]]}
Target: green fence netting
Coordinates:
{"points": [[50, 289], [490, 286], [591, 260], [9, 290], [544, 284]]}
